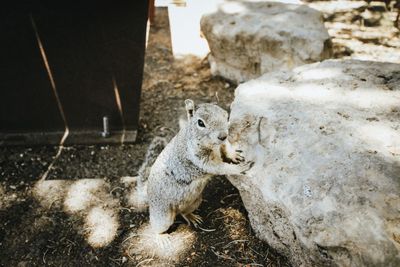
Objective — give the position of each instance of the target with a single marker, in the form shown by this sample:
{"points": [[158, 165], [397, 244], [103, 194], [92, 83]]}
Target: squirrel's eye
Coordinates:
{"points": [[201, 123]]}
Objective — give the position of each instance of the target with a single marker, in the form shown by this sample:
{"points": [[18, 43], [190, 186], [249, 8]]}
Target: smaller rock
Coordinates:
{"points": [[249, 38]]}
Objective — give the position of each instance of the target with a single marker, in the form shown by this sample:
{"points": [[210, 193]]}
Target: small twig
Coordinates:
{"points": [[116, 261], [51, 204], [266, 255], [224, 256], [69, 250], [252, 264], [117, 187], [89, 228], [129, 237], [123, 208], [144, 261], [206, 230], [129, 254], [223, 217], [71, 242], [130, 246], [231, 195], [212, 211], [216, 96], [235, 241], [136, 235], [70, 245], [219, 243], [257, 253], [44, 256]]}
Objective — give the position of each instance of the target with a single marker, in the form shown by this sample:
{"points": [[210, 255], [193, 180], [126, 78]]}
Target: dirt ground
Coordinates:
{"points": [[69, 220]]}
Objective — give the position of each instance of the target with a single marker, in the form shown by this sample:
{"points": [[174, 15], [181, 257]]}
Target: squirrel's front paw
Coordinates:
{"points": [[237, 157], [230, 155], [246, 166]]}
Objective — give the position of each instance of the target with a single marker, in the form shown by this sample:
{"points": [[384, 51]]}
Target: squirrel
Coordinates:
{"points": [[181, 171]]}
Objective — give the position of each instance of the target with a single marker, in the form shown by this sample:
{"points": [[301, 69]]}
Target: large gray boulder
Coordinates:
{"points": [[248, 38], [325, 137]]}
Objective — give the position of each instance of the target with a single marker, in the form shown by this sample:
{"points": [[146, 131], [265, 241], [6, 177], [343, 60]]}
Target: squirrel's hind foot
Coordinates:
{"points": [[192, 218]]}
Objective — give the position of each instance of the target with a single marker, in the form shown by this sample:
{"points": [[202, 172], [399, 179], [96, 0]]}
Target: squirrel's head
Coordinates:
{"points": [[208, 123]]}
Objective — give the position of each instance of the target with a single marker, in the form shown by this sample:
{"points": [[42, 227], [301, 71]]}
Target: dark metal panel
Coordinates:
{"points": [[27, 101], [127, 67], [89, 45], [95, 51]]}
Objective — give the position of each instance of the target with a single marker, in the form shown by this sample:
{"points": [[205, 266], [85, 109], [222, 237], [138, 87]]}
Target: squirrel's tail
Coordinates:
{"points": [[138, 198], [155, 148]]}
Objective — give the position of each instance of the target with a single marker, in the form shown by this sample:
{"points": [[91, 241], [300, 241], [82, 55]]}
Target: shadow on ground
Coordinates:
{"points": [[79, 216]]}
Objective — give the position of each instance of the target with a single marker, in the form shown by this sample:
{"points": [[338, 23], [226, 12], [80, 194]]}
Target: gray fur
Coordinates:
{"points": [[182, 170], [156, 146]]}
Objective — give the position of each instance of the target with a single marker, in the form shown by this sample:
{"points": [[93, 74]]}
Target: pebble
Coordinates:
{"points": [[178, 85]]}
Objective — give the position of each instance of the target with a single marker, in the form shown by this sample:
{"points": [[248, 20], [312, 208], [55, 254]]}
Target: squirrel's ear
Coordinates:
{"points": [[189, 107]]}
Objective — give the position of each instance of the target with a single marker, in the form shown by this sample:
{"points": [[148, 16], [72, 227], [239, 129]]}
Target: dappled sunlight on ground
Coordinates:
{"points": [[233, 222], [89, 199], [136, 199], [6, 200], [166, 247], [85, 193], [101, 225], [51, 193]]}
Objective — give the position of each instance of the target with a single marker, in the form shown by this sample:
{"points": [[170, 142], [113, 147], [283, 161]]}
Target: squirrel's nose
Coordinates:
{"points": [[222, 136]]}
